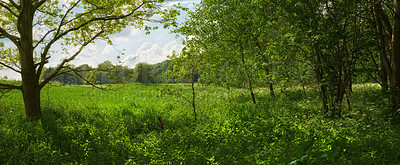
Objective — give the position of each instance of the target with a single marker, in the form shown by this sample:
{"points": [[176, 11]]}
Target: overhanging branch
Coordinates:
{"points": [[14, 4], [7, 7], [68, 60], [108, 18], [39, 3], [9, 86], [78, 71], [59, 35], [13, 38], [9, 67], [43, 38], [84, 79]]}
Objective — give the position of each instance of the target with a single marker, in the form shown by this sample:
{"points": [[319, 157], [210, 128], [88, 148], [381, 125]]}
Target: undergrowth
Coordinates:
{"points": [[83, 125]]}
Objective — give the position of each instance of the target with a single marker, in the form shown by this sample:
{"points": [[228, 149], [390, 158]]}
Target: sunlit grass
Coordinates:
{"points": [[85, 125]]}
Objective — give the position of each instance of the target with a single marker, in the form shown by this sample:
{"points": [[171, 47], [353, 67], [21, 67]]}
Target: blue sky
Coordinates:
{"points": [[134, 43]]}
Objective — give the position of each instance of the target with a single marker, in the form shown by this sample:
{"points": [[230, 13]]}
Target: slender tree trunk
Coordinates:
{"points": [[266, 70], [319, 74], [339, 99], [395, 60], [247, 76], [271, 86], [349, 91], [384, 76], [348, 102], [271, 89], [194, 99], [30, 80], [345, 67], [324, 98]]}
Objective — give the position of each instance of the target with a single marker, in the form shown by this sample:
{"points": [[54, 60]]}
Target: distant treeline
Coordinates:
{"points": [[107, 73]]}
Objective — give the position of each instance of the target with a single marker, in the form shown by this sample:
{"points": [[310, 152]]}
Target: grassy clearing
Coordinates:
{"points": [[83, 125]]}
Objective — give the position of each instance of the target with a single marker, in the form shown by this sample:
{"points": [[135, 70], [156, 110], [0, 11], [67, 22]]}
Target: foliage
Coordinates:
{"points": [[107, 73], [330, 44], [84, 125]]}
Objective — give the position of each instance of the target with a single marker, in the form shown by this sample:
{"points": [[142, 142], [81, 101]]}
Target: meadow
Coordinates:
{"points": [[85, 125]]}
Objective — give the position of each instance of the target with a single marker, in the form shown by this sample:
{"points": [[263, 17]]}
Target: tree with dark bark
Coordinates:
{"points": [[34, 27], [387, 35]]}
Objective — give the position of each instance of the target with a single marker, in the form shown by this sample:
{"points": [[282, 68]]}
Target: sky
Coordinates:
{"points": [[134, 43]]}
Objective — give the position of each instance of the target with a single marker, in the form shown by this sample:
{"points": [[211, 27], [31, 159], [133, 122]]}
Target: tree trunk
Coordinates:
{"points": [[381, 39], [339, 98], [395, 60], [383, 76], [266, 70], [271, 86], [324, 98], [194, 99], [31, 95], [248, 77], [319, 74], [271, 89], [30, 80]]}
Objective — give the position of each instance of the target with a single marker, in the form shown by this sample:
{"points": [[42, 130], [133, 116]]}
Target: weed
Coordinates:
{"points": [[83, 125]]}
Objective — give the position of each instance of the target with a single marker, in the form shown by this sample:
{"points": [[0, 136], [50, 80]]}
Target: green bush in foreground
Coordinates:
{"points": [[82, 125]]}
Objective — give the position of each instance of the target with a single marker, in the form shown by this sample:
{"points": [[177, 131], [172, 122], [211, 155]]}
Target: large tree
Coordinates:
{"points": [[387, 36], [395, 59], [34, 27]]}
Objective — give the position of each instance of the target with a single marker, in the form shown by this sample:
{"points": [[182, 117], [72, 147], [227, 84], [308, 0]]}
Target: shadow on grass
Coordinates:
{"points": [[232, 131]]}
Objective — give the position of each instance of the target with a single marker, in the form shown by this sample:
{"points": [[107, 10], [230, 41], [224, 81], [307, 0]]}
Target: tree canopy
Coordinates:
{"points": [[329, 44]]}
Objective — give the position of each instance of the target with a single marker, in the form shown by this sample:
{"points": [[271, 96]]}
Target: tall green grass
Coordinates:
{"points": [[84, 125]]}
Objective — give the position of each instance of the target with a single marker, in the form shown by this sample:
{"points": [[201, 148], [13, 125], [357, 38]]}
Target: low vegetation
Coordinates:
{"points": [[85, 125]]}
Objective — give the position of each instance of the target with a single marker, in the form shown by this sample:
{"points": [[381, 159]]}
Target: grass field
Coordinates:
{"points": [[84, 125]]}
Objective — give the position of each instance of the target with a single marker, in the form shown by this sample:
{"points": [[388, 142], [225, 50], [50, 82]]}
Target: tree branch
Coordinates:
{"points": [[2, 93], [58, 35], [77, 72], [13, 38], [48, 13], [67, 60], [84, 79], [59, 27], [65, 16], [14, 4], [9, 86], [43, 59], [40, 3], [7, 7], [9, 67], [43, 38]]}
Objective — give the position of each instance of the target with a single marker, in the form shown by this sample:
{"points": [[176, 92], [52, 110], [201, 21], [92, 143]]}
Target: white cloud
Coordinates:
{"points": [[107, 50], [172, 46], [40, 31], [148, 52], [87, 55], [11, 75], [134, 31], [123, 39], [126, 35], [92, 61], [152, 53], [90, 50], [188, 3]]}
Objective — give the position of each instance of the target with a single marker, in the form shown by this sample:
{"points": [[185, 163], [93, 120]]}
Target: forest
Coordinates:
{"points": [[108, 73], [257, 82]]}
